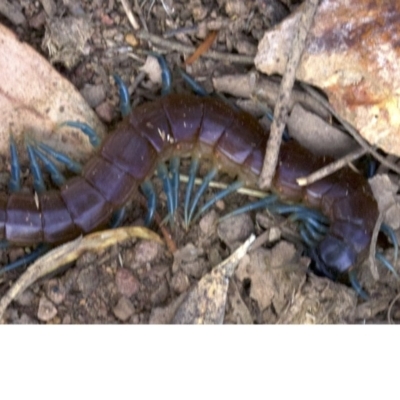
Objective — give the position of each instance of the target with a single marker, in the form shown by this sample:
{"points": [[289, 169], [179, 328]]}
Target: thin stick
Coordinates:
{"points": [[389, 313], [282, 106], [372, 247], [331, 168], [130, 15], [352, 131], [187, 49]]}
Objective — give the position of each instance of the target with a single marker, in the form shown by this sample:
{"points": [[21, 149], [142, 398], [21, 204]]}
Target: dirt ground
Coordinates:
{"points": [[139, 281]]}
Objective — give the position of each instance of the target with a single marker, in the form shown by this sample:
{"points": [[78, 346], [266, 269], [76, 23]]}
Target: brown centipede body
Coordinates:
{"points": [[187, 125]]}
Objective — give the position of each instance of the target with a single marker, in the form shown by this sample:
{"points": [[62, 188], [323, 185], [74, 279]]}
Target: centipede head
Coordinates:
{"points": [[333, 258]]}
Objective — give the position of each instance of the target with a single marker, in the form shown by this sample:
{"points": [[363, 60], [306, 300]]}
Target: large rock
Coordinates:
{"points": [[353, 54]]}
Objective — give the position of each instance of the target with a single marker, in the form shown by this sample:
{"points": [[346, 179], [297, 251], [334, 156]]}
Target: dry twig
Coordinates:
{"points": [[282, 105], [331, 168], [186, 49]]}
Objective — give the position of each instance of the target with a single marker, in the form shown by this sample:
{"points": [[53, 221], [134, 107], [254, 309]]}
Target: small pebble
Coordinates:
{"points": [[46, 310], [145, 252], [235, 229], [160, 294], [126, 283], [180, 282], [88, 280], [208, 223], [55, 292], [105, 111], [124, 309], [93, 94], [25, 298]]}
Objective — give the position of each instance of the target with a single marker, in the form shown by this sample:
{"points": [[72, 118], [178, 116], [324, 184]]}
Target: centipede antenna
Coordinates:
{"points": [[356, 285], [174, 169], [150, 194], [124, 100], [195, 86], [86, 129], [380, 257], [194, 166], [56, 176], [25, 260], [165, 73], [389, 232], [14, 184], [162, 173], [117, 218], [264, 202], [62, 158], [233, 187], [203, 187]]}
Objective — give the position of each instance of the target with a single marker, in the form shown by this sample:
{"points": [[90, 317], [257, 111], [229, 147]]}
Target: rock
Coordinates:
{"points": [[180, 282], [93, 94], [47, 310], [88, 280], [318, 136], [146, 251], [353, 54], [124, 309], [126, 283], [55, 291], [235, 230]]}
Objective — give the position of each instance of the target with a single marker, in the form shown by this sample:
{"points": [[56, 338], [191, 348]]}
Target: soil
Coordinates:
{"points": [[140, 282]]}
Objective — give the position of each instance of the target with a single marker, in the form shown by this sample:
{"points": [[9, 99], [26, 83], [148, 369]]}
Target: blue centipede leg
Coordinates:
{"points": [[56, 176], [86, 129], [15, 179], [356, 285], [315, 222], [265, 202], [162, 173], [124, 101], [62, 158], [389, 232], [117, 218], [223, 193], [38, 182], [174, 169], [307, 239], [203, 187], [165, 73], [301, 211], [25, 260], [380, 257], [195, 86], [194, 166], [150, 194], [313, 232]]}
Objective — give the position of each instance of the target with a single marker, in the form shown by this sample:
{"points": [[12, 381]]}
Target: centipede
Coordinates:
{"points": [[189, 126]]}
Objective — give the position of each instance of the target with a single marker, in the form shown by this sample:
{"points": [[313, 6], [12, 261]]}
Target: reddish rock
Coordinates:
{"points": [[126, 283], [353, 54]]}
